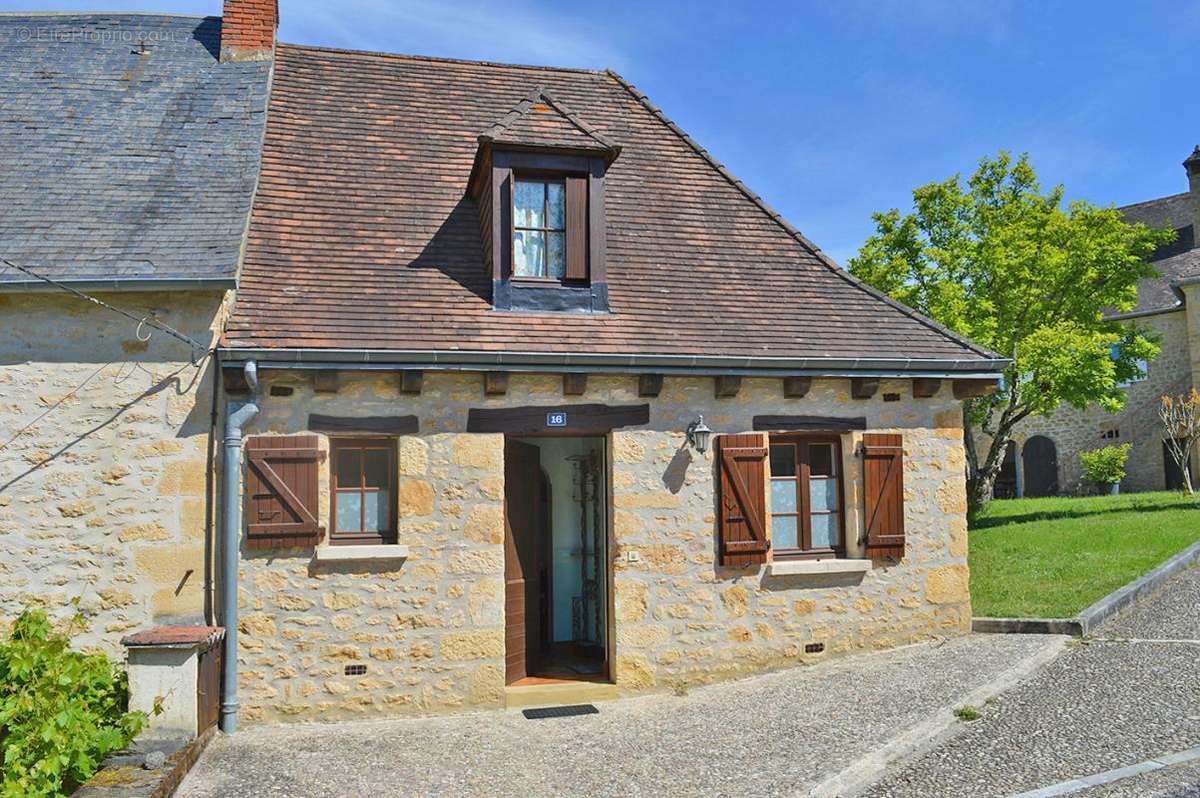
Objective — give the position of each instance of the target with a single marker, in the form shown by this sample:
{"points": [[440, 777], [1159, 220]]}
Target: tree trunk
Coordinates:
{"points": [[979, 489]]}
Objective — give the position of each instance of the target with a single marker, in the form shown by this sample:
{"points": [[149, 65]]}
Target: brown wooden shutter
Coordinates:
{"points": [[883, 488], [577, 228], [281, 491], [742, 500]]}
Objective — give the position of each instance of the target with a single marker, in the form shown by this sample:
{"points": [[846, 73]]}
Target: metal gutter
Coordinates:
{"points": [[435, 360], [1141, 314], [140, 284]]}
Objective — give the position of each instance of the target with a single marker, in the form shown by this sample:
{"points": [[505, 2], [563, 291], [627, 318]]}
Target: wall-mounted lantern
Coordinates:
{"points": [[698, 435]]}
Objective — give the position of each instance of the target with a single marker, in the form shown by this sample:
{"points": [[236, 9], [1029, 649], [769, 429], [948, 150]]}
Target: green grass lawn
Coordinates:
{"points": [[1051, 558]]}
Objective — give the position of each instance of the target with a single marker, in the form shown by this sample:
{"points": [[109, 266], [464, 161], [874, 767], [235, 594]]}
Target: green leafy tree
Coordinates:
{"points": [[61, 711], [1011, 268]]}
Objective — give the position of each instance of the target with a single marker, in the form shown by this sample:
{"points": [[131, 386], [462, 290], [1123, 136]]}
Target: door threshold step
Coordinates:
{"points": [[544, 695]]}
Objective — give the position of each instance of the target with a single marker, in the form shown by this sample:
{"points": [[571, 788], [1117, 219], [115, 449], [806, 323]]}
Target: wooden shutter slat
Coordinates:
{"points": [[282, 491], [883, 490], [577, 228], [742, 500]]}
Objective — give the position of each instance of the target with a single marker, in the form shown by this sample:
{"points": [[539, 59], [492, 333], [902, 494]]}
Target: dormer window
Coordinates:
{"points": [[538, 181], [539, 229]]}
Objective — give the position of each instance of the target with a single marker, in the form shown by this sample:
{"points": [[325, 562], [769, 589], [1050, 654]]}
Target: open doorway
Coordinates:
{"points": [[556, 559]]}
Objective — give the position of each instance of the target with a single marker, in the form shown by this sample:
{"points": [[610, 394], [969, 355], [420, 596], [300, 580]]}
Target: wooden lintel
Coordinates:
{"points": [[234, 380], [973, 389], [411, 381], [863, 387], [325, 381], [726, 386], [650, 384], [925, 387], [385, 425], [495, 383], [574, 384], [568, 419], [796, 387], [808, 423]]}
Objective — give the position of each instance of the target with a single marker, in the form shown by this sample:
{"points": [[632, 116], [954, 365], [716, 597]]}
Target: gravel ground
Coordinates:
{"points": [[770, 735], [1106, 704]]}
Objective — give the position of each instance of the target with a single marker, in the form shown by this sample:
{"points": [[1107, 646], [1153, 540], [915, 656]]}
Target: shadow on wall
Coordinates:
{"points": [[195, 423]]}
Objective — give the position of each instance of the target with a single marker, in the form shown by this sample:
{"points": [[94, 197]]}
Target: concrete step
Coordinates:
{"points": [[550, 695]]}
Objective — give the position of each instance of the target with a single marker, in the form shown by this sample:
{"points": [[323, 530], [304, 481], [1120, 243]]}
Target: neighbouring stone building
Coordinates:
{"points": [[1043, 458], [130, 156], [488, 318]]}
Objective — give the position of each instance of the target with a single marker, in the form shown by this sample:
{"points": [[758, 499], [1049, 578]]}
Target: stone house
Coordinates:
{"points": [[539, 403], [130, 157], [1043, 458], [524, 397]]}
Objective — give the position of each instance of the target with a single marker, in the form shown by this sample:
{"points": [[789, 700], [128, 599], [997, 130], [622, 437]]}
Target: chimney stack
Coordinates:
{"points": [[248, 30], [1192, 165]]}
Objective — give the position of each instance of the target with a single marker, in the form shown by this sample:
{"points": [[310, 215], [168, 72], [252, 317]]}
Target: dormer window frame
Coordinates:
{"points": [[584, 285]]}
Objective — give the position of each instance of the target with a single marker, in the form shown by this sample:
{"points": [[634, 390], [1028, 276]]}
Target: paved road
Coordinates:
{"points": [[771, 735], [1128, 696]]}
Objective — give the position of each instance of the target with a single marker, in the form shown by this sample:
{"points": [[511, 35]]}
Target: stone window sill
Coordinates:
{"points": [[807, 567], [380, 553]]}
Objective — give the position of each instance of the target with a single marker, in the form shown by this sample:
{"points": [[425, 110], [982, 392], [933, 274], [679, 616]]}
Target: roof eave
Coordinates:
{"points": [[450, 360], [119, 285]]}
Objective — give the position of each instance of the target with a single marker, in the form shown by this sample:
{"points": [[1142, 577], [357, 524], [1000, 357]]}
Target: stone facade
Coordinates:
{"points": [[1074, 431], [430, 629], [103, 460]]}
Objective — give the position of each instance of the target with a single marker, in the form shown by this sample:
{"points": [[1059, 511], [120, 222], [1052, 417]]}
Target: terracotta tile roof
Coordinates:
{"points": [[203, 636], [541, 120], [362, 236]]}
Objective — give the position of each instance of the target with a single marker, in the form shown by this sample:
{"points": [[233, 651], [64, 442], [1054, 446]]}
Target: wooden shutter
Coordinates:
{"points": [[577, 228], [883, 488], [742, 500], [281, 491]]}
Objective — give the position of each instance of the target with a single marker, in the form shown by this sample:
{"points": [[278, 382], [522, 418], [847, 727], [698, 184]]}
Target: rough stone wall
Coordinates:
{"points": [[430, 630], [102, 492], [1074, 431]]}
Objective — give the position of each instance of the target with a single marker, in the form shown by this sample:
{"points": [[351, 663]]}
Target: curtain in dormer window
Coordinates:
{"points": [[539, 228]]}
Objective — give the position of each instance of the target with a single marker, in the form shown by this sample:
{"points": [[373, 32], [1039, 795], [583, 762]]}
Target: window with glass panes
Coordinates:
{"points": [[539, 228], [806, 496], [364, 490]]}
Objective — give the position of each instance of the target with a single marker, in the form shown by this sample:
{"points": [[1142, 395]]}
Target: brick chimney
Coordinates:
{"points": [[248, 30], [1192, 165]]}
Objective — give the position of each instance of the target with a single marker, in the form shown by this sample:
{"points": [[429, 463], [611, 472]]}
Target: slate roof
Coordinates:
{"points": [[363, 237], [1175, 261], [130, 152]]}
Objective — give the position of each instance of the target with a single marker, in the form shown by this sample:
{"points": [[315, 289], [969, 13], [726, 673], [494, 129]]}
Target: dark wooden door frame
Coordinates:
{"points": [[609, 544]]}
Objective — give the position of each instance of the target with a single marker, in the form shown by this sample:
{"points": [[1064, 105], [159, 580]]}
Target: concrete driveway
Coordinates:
{"points": [[779, 734], [1127, 697]]}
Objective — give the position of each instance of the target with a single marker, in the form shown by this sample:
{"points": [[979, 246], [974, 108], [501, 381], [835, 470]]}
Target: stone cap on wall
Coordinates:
{"points": [[198, 637]]}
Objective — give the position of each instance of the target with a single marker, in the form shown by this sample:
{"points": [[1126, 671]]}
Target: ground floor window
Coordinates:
{"points": [[363, 506], [806, 496]]}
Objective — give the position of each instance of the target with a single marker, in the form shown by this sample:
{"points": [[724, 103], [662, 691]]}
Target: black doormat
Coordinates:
{"points": [[559, 712]]}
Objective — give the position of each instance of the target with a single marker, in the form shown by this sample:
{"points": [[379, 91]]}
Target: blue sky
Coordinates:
{"points": [[832, 110]]}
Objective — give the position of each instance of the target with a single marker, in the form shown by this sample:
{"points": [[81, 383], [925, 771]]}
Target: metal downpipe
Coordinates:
{"points": [[238, 414]]}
